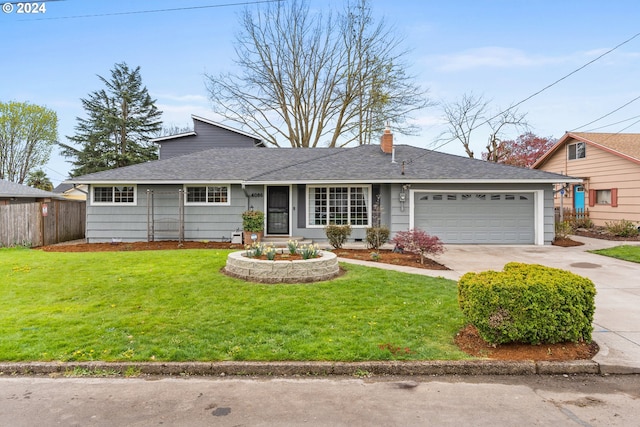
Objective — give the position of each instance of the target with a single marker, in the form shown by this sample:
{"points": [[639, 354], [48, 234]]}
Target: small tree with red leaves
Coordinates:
{"points": [[417, 241]]}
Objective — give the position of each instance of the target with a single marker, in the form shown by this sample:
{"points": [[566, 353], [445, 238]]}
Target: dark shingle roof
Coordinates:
{"points": [[12, 189], [365, 163]]}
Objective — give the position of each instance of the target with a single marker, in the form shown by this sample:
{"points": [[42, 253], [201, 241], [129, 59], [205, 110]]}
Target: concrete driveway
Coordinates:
{"points": [[617, 317]]}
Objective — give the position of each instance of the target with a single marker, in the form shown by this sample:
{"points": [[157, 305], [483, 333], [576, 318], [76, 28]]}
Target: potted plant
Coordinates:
{"points": [[252, 223]]}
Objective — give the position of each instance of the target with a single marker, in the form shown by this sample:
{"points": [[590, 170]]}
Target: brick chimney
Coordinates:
{"points": [[386, 141]]}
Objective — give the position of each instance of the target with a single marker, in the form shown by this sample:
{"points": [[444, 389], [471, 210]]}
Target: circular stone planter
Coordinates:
{"points": [[324, 267]]}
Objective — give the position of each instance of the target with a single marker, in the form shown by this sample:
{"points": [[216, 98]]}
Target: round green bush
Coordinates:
{"points": [[528, 303]]}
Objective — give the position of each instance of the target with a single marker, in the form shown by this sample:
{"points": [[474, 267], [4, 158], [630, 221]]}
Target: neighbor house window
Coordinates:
{"points": [[339, 205], [207, 194], [114, 194], [603, 197], [577, 150]]}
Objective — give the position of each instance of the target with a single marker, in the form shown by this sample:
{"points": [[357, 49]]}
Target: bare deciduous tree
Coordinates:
{"points": [[28, 133], [310, 79], [470, 112]]}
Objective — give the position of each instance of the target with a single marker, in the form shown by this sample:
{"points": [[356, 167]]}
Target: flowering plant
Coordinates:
{"points": [[309, 251], [292, 245]]}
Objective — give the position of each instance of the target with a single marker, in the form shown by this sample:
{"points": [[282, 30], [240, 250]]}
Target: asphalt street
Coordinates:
{"points": [[563, 400]]}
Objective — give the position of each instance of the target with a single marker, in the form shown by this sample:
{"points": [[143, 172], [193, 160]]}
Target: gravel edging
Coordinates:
{"points": [[267, 369]]}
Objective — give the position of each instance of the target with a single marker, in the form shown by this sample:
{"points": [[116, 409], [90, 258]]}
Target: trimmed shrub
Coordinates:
{"points": [[337, 234], [377, 236], [622, 228], [252, 220], [528, 303]]}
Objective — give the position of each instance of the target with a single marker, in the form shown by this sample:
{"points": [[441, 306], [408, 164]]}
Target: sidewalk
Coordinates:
{"points": [[617, 317]]}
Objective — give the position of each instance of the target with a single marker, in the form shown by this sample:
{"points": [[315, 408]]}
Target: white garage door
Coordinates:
{"points": [[484, 218]]}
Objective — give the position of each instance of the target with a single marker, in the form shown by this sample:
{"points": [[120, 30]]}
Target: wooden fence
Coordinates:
{"points": [[572, 215], [42, 223]]}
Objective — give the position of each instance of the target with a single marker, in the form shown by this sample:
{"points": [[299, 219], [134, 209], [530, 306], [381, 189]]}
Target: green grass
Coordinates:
{"points": [[177, 306], [624, 252]]}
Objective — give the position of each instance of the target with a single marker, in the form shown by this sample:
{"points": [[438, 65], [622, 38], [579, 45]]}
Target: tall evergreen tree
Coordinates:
{"points": [[121, 119]]}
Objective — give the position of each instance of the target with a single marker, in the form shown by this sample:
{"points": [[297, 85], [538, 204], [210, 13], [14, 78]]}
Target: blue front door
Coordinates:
{"points": [[578, 198]]}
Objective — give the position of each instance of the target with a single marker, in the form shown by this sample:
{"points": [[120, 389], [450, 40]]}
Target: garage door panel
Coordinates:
{"points": [[498, 218]]}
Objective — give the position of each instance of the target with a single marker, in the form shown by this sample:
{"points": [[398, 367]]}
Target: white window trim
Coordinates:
{"points": [[369, 198], [576, 144], [227, 203], [112, 203]]}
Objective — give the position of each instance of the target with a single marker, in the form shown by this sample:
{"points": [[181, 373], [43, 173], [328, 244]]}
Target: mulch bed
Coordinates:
{"points": [[470, 341], [601, 233], [384, 256]]}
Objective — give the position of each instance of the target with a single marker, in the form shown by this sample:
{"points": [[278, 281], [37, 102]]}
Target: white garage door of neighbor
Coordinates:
{"points": [[482, 218]]}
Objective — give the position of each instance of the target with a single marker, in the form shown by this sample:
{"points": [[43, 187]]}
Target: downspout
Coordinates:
{"points": [[244, 190]]}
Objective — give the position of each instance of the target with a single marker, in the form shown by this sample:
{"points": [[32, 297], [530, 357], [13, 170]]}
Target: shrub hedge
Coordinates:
{"points": [[528, 303], [377, 236], [337, 234]]}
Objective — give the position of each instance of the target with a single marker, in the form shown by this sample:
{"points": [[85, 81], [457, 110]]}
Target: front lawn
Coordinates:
{"points": [[624, 252], [177, 306]]}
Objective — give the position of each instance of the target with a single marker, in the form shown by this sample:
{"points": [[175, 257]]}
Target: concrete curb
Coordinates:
{"points": [[426, 368]]}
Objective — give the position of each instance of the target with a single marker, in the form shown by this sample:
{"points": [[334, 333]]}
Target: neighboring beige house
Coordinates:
{"points": [[71, 192], [608, 163]]}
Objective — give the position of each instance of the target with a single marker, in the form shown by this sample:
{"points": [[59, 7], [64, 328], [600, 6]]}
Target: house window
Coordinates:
{"points": [[338, 205], [114, 194], [577, 150], [207, 195], [603, 197]]}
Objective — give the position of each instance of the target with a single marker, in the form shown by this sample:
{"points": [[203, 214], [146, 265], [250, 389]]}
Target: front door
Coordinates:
{"points": [[278, 210], [578, 198]]}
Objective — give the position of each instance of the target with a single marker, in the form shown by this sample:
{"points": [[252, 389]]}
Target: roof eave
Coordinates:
{"points": [[169, 137]]}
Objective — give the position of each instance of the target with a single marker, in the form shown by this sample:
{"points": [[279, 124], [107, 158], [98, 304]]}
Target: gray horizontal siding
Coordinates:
{"points": [[129, 223], [208, 136]]}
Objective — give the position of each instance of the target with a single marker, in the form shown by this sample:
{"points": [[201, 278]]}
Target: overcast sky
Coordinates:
{"points": [[504, 50]]}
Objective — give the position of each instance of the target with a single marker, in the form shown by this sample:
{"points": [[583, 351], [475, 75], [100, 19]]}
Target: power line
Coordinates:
{"points": [[546, 87], [606, 115], [611, 124], [138, 12]]}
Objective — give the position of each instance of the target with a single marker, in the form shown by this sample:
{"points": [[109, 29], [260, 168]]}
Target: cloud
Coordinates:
{"points": [[490, 57]]}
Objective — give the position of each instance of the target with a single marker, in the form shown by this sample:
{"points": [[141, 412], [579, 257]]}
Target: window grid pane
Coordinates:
{"points": [[359, 215], [103, 194], [339, 205], [123, 194], [196, 194], [217, 195], [318, 206]]}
